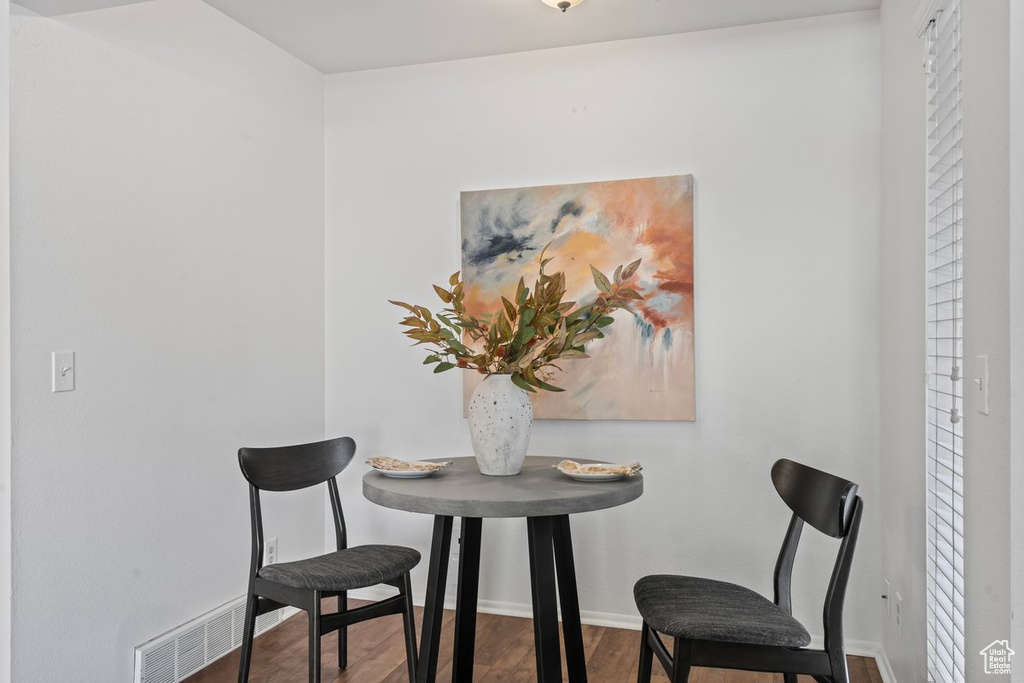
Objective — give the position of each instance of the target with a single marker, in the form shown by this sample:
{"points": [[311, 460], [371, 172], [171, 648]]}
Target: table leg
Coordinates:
{"points": [[565, 569], [465, 604], [545, 611], [433, 604]]}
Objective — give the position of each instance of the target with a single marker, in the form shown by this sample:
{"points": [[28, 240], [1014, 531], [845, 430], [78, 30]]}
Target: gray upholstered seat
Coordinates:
{"points": [[343, 570], [703, 609]]}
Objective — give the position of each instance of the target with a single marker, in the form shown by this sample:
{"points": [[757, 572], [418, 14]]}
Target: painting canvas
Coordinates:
{"points": [[644, 368]]}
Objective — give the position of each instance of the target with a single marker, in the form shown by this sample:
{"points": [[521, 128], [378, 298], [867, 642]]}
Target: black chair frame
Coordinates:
{"points": [[832, 506], [290, 468]]}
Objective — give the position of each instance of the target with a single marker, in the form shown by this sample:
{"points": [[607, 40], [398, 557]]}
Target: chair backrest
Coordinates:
{"points": [[823, 500], [290, 468], [831, 505]]}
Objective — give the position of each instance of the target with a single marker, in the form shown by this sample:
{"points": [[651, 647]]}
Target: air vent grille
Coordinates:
{"points": [[265, 621], [179, 653], [158, 662], [191, 651], [218, 637], [237, 624]]}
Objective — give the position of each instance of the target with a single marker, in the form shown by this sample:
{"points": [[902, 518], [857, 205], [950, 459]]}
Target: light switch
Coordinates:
{"points": [[980, 377], [63, 371]]}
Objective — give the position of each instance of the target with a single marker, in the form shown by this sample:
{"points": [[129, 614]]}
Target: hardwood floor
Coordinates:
{"points": [[504, 652]]}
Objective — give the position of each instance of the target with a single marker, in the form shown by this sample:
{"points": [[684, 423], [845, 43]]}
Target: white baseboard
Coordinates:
{"points": [[858, 648], [377, 593], [515, 609], [884, 667], [511, 609]]}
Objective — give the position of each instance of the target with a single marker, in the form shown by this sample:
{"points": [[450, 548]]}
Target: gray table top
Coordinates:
{"points": [[538, 491]]}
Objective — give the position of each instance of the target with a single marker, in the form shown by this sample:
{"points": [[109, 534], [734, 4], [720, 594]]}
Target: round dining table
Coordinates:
{"points": [[545, 498]]}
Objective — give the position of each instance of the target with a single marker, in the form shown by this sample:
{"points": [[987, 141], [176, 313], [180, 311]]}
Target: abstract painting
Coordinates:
{"points": [[644, 368]]}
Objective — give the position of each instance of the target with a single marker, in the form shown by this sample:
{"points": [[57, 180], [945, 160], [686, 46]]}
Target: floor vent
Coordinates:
{"points": [[179, 653]]}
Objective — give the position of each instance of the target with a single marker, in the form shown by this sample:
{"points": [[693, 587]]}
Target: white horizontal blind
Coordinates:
{"points": [[944, 438]]}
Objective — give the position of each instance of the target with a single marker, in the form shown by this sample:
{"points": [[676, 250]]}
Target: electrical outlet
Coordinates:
{"points": [[886, 592], [457, 539], [453, 560], [270, 551], [898, 612]]}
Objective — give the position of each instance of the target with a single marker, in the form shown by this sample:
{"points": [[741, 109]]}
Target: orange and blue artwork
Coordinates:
{"points": [[644, 368]]}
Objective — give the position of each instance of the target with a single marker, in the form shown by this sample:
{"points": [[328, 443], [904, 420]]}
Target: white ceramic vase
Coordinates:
{"points": [[500, 419]]}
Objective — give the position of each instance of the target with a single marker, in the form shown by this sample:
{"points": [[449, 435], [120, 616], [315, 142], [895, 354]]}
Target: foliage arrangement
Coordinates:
{"points": [[528, 334]]}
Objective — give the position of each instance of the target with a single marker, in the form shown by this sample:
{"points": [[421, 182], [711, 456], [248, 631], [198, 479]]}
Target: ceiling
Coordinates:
{"points": [[53, 8], [351, 35]]}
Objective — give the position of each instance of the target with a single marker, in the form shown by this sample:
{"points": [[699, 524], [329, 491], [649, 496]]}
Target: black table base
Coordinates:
{"points": [[552, 571]]}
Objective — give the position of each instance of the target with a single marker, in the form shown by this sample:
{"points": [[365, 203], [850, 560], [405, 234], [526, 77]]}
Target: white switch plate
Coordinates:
{"points": [[980, 377], [63, 371]]}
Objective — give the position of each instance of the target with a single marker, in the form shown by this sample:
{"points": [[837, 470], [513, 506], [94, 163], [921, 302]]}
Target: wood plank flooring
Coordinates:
{"points": [[504, 653]]}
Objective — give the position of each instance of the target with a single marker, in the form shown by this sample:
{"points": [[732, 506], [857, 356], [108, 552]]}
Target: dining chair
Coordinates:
{"points": [[723, 625], [304, 583]]}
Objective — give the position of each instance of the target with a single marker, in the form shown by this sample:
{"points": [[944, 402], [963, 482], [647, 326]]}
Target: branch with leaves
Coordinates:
{"points": [[527, 334]]}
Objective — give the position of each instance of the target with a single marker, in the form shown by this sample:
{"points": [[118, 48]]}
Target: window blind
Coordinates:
{"points": [[944, 395]]}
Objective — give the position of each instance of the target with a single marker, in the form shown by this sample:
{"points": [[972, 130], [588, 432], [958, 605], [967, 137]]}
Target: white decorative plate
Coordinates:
{"points": [[404, 474], [593, 476]]}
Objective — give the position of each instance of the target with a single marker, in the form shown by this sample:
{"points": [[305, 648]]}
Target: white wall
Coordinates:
{"points": [[779, 124], [5, 350], [168, 229], [1017, 321], [902, 483], [987, 506]]}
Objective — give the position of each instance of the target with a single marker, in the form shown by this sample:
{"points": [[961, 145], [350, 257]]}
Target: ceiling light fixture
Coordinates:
{"points": [[561, 4]]}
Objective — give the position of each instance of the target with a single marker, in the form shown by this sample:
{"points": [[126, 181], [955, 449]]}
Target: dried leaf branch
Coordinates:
{"points": [[526, 334]]}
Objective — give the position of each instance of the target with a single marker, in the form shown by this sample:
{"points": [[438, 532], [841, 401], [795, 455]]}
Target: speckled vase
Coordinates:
{"points": [[500, 418]]}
